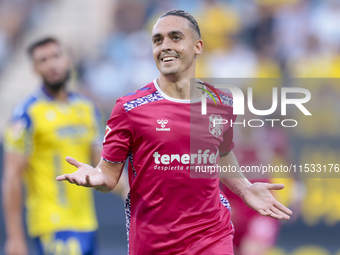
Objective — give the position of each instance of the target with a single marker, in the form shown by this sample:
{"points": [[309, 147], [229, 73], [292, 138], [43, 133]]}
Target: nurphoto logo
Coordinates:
{"points": [[239, 103]]}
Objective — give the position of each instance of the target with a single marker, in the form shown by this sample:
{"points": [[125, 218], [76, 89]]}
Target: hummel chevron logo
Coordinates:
{"points": [[162, 123]]}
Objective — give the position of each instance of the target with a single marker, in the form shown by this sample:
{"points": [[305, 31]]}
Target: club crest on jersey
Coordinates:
{"points": [[107, 131], [18, 128], [218, 128], [163, 125]]}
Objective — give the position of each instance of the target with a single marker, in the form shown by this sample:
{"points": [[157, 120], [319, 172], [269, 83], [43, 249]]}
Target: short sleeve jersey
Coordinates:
{"points": [[46, 131], [168, 212]]}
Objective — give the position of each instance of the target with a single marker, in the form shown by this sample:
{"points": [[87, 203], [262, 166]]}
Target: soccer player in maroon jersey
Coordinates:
{"points": [[168, 212]]}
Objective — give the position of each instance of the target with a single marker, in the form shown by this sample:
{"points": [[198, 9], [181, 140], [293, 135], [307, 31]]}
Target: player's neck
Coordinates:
{"points": [[177, 87], [60, 94]]}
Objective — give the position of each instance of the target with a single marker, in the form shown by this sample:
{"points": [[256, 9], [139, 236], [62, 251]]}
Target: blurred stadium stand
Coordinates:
{"points": [[110, 44]]}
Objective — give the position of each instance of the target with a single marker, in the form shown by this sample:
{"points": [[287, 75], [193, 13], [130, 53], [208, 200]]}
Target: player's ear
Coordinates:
{"points": [[199, 47]]}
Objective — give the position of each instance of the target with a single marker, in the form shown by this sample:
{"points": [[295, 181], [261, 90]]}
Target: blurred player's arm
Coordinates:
{"points": [[103, 178], [14, 166], [257, 195]]}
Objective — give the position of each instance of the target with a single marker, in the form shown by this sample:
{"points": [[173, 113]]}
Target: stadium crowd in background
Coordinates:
{"points": [[243, 39], [258, 38], [286, 38]]}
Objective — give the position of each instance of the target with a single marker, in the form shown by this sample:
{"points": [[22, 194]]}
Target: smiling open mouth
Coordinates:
{"points": [[168, 59]]}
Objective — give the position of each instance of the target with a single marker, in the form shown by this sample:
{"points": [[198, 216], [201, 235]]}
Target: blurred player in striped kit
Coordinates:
{"points": [[49, 125]]}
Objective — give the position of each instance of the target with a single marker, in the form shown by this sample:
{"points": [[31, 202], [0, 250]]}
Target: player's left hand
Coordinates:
{"points": [[259, 198]]}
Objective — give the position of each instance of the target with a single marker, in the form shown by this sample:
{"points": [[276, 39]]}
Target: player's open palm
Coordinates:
{"points": [[86, 175], [259, 198]]}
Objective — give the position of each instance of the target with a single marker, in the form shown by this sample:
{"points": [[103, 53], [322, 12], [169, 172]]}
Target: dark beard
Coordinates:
{"points": [[55, 87]]}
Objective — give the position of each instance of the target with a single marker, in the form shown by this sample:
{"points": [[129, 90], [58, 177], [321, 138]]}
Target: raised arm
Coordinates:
{"points": [[14, 166], [257, 195], [103, 178]]}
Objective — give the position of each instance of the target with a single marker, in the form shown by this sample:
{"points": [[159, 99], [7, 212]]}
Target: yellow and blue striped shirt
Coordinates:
{"points": [[46, 131]]}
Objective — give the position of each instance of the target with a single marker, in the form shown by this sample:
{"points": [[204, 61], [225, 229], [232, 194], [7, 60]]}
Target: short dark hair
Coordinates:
{"points": [[185, 15], [41, 42]]}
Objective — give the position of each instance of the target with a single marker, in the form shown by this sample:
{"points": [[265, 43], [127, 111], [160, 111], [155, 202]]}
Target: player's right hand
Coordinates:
{"points": [[16, 247], [86, 175]]}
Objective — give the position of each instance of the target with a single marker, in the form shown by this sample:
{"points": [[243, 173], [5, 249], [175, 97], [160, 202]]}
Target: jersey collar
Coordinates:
{"points": [[177, 100]]}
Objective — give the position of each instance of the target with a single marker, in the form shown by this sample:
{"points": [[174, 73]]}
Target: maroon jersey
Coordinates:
{"points": [[168, 211]]}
